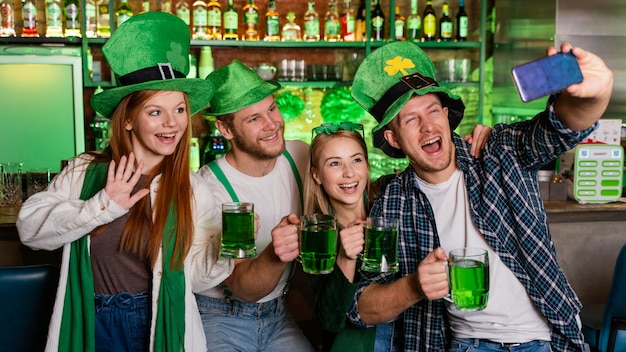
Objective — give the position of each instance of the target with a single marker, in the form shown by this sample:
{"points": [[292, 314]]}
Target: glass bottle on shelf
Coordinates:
{"points": [[332, 30], [291, 31], [54, 18], [90, 18], [72, 19], [214, 20], [231, 22], [7, 25], [378, 22], [348, 23], [272, 23], [103, 22], [398, 24], [145, 6], [462, 22], [29, 18], [184, 12], [199, 19], [359, 33], [166, 6], [251, 18], [430, 22], [311, 23], [445, 24], [123, 12], [414, 23]]}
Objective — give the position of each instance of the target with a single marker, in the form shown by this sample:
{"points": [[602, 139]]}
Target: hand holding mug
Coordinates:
{"points": [[432, 278], [352, 239], [285, 238]]}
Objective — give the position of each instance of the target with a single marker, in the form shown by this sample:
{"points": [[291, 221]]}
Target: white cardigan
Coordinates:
{"points": [[57, 217]]}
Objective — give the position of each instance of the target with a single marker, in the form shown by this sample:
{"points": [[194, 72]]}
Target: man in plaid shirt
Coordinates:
{"points": [[447, 199]]}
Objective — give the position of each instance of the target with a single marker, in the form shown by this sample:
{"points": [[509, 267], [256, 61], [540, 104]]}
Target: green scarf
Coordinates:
{"points": [[78, 322]]}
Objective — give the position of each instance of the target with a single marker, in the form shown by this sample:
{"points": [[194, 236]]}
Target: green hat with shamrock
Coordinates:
{"points": [[150, 51], [386, 80], [237, 86]]}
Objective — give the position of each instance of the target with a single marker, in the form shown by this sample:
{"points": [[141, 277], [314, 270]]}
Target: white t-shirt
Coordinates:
{"points": [[274, 196], [510, 315]]}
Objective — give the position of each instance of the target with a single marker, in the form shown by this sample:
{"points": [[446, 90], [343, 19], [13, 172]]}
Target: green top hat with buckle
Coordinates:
{"points": [[237, 86], [389, 77], [150, 51]]}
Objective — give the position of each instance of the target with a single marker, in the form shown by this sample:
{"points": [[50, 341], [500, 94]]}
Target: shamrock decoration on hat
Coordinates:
{"points": [[150, 51], [389, 77]]}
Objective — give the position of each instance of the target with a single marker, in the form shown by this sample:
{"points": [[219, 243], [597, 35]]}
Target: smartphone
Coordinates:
{"points": [[546, 76]]}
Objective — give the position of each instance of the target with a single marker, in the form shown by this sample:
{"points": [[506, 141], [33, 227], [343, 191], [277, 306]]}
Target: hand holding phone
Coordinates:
{"points": [[546, 76]]}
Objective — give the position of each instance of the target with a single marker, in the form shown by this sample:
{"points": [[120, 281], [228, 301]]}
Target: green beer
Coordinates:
{"points": [[469, 284], [318, 243], [380, 253], [238, 230]]}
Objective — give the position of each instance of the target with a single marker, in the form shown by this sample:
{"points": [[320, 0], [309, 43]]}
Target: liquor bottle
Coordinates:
{"points": [[166, 6], [332, 31], [123, 12], [399, 24], [311, 23], [272, 23], [251, 19], [445, 24], [360, 32], [72, 19], [184, 12], [414, 23], [103, 23], [214, 20], [90, 18], [462, 22], [291, 31], [199, 19], [145, 6], [205, 63], [348, 23], [430, 22], [7, 28], [29, 18], [231, 22], [54, 18], [378, 22]]}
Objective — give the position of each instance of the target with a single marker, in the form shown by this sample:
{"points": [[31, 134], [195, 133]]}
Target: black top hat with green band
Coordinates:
{"points": [[150, 51], [237, 86], [386, 80]]}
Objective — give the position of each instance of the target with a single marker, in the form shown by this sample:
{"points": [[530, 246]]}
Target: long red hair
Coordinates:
{"points": [[144, 229]]}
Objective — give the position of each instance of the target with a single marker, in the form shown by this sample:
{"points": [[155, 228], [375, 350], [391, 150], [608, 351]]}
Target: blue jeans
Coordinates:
{"points": [[233, 325], [479, 345], [386, 339], [123, 322]]}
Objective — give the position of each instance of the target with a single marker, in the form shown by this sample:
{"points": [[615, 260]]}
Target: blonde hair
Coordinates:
{"points": [[316, 199]]}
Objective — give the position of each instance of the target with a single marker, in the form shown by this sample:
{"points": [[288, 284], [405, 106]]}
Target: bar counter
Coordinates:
{"points": [[587, 238]]}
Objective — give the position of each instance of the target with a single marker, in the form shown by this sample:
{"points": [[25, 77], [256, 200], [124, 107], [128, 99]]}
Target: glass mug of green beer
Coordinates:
{"points": [[380, 254], [469, 278], [318, 243], [238, 230]]}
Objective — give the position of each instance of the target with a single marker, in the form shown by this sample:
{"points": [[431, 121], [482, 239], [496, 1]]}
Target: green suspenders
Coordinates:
{"points": [[231, 192]]}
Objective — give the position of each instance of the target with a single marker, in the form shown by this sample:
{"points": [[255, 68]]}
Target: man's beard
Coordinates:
{"points": [[254, 149]]}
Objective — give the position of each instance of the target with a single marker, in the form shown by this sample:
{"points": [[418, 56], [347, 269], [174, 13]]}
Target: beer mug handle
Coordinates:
{"points": [[448, 297]]}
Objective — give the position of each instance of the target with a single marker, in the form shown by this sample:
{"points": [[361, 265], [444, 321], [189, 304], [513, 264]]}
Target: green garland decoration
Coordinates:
{"points": [[338, 106], [290, 105]]}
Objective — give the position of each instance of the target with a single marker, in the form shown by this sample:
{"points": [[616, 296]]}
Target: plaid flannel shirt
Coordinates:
{"points": [[507, 208]]}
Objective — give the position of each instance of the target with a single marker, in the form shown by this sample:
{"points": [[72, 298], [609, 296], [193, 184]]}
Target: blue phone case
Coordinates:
{"points": [[546, 76]]}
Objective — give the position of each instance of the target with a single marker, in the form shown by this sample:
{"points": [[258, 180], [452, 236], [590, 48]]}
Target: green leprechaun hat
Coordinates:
{"points": [[386, 80], [150, 51], [237, 86]]}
